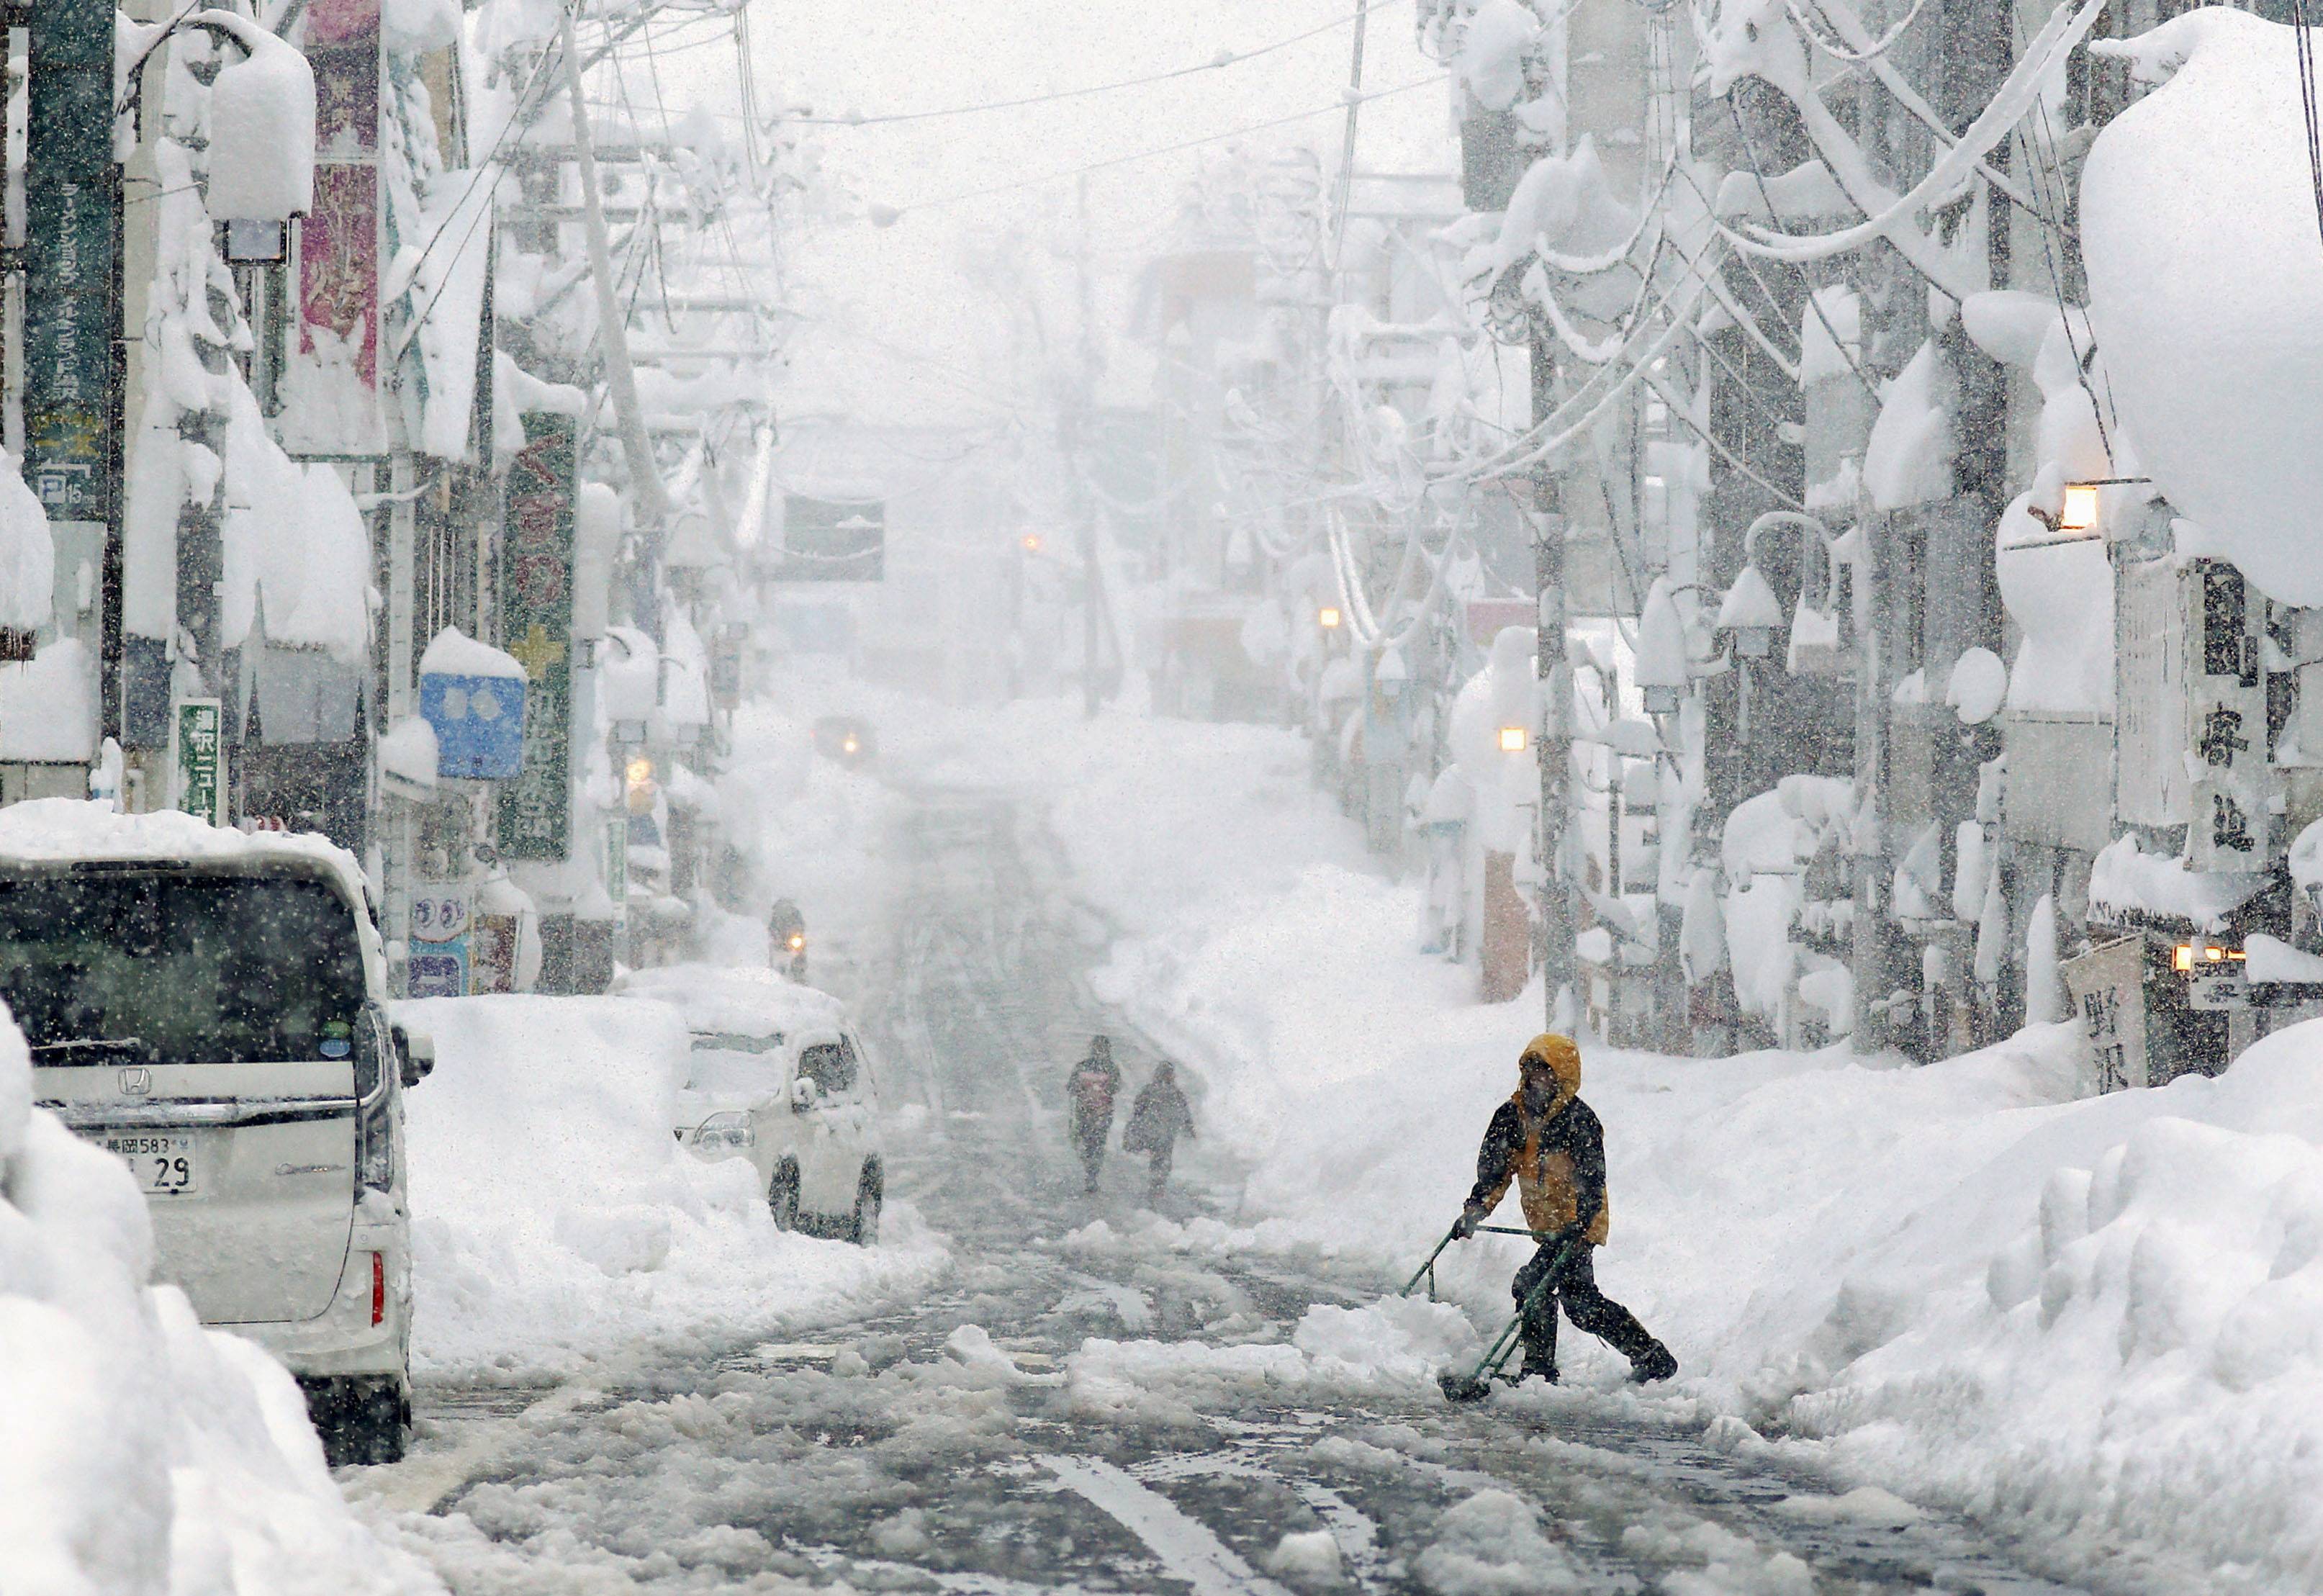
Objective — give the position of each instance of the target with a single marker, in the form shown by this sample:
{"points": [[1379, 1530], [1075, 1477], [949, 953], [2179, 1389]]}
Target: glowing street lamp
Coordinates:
{"points": [[1031, 542], [1328, 618], [2080, 511], [1512, 740]]}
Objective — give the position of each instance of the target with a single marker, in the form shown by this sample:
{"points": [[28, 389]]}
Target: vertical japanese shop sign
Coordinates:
{"points": [[2226, 704], [2108, 986], [333, 382], [198, 754], [536, 587], [71, 191]]}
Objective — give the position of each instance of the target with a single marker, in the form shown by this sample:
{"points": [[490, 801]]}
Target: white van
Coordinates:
{"points": [[209, 1005], [778, 1075]]}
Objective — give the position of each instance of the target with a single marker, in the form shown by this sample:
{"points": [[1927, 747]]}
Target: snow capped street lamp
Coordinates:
{"points": [[1750, 614]]}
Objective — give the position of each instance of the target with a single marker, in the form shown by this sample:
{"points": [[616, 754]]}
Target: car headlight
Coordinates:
{"points": [[726, 1133]]}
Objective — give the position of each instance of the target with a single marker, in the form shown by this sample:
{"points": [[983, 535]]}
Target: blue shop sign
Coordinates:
{"points": [[478, 723]]}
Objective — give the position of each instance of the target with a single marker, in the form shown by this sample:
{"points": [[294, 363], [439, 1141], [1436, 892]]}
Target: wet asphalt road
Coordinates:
{"points": [[873, 1458]]}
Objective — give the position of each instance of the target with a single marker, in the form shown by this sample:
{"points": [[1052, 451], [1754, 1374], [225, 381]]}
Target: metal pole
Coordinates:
{"points": [[612, 325], [1555, 743], [1072, 430]]}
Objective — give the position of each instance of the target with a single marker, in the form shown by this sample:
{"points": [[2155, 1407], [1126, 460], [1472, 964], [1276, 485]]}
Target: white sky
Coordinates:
{"points": [[906, 324]]}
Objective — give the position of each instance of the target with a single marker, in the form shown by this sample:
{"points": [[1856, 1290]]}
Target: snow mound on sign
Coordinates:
{"points": [[2206, 286], [143, 1453], [556, 1223], [1396, 1344]]}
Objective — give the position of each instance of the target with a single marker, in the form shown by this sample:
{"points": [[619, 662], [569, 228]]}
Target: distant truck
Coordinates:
{"points": [[210, 1006]]}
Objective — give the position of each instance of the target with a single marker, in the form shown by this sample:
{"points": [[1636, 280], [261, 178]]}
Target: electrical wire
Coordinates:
{"points": [[2305, 41], [1093, 166], [1222, 60]]}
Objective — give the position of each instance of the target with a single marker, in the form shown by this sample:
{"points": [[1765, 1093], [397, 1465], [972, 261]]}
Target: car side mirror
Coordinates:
{"points": [[803, 1095], [417, 1051]]}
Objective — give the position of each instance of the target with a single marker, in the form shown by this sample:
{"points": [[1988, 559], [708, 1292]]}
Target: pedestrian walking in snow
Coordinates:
{"points": [[1550, 1143], [1156, 1120], [1092, 1087]]}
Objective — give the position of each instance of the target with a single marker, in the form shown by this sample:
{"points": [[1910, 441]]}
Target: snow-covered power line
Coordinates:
{"points": [[1094, 166], [1222, 61]]}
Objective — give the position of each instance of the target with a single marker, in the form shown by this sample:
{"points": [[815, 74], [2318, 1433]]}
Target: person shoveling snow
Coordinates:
{"points": [[1550, 1143]]}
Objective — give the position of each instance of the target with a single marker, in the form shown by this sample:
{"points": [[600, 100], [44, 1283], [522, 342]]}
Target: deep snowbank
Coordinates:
{"points": [[555, 1221], [140, 1452], [2097, 1322]]}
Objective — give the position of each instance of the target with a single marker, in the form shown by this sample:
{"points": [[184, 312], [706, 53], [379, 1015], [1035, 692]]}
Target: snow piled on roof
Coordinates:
{"points": [[453, 653], [46, 830], [740, 999], [2126, 882], [2206, 285], [144, 1453]]}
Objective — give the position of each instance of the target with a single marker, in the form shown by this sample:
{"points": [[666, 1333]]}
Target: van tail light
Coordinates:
{"points": [[379, 1288]]}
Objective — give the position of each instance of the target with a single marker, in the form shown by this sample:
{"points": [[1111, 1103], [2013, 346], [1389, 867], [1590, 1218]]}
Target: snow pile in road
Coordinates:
{"points": [[1397, 1344], [142, 1453], [556, 1221], [1492, 1544]]}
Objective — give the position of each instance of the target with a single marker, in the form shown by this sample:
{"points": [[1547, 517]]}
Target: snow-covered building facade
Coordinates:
{"points": [[1958, 456]]}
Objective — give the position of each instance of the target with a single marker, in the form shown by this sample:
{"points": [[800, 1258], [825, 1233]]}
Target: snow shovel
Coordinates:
{"points": [[1426, 1272], [1474, 1385]]}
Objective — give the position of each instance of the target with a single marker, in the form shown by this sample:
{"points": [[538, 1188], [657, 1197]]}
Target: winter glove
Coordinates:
{"points": [[1466, 1225]]}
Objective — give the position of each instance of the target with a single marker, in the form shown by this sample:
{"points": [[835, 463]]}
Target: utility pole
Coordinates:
{"points": [[1555, 742], [1072, 434], [612, 324]]}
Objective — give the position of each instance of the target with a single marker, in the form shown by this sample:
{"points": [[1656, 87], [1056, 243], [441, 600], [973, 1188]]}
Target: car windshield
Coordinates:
{"points": [[831, 1065], [727, 1061], [159, 967]]}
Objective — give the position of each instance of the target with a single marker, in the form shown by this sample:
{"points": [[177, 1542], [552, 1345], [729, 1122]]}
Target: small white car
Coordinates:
{"points": [[210, 1006], [778, 1075]]}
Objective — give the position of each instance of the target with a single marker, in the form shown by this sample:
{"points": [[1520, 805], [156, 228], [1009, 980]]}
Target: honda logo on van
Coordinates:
{"points": [[135, 1081]]}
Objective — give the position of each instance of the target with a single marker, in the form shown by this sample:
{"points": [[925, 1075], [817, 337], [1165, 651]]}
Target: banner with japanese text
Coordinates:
{"points": [[331, 385], [535, 819]]}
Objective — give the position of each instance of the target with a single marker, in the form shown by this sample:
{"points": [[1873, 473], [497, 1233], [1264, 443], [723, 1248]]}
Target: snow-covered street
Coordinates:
{"points": [[1096, 1395]]}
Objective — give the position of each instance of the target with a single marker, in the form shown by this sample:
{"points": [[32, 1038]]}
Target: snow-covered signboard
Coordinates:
{"points": [[535, 819], [2150, 728], [826, 540], [70, 196], [473, 696], [197, 755], [2108, 986], [333, 375], [437, 963]]}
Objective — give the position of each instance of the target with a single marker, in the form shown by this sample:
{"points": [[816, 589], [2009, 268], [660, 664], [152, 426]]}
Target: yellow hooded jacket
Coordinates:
{"points": [[1556, 1160]]}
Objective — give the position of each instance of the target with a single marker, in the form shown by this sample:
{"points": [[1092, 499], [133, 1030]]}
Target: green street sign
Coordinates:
{"points": [[535, 819], [71, 191], [198, 753]]}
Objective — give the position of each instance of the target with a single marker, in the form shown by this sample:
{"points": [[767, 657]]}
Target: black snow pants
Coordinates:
{"points": [[1088, 1137], [1158, 1168], [1589, 1309]]}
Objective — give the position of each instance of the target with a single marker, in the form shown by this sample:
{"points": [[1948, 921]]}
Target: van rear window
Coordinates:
{"points": [[162, 967]]}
